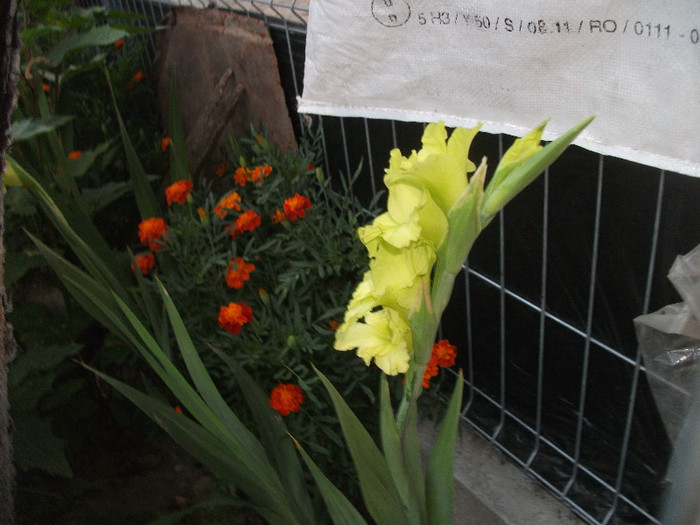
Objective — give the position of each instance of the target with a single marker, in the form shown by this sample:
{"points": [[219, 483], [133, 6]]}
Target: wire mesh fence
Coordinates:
{"points": [[542, 313]]}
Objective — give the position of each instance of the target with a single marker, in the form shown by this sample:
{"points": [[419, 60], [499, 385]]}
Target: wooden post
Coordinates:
{"points": [[9, 70]]}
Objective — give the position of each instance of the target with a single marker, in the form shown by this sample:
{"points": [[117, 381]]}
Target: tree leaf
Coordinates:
{"points": [[31, 127]]}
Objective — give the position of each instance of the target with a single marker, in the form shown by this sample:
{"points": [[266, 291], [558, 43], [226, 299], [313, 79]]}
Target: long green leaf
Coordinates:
{"points": [[242, 438], [339, 507], [379, 491], [96, 256], [412, 460], [70, 274], [247, 464], [440, 472], [145, 198], [202, 444], [391, 442], [274, 437]]}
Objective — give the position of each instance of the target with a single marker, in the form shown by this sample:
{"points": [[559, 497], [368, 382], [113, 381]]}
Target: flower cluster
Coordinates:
{"points": [[228, 214], [403, 244], [256, 174], [286, 398], [443, 355]]}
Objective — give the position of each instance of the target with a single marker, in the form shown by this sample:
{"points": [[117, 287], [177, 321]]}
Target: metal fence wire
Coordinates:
{"points": [[542, 314]]}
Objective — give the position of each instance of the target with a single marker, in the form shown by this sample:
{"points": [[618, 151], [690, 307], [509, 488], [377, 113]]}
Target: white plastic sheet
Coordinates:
{"points": [[636, 65]]}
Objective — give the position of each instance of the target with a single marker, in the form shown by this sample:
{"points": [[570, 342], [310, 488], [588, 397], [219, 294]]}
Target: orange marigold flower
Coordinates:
{"points": [[138, 76], [178, 192], [286, 398], [278, 216], [234, 316], [445, 353], [238, 272], [119, 44], [201, 212], [228, 202], [259, 173], [164, 143], [431, 370], [294, 207], [221, 169], [246, 222], [76, 154], [151, 231], [46, 87], [144, 262], [241, 176], [178, 409]]}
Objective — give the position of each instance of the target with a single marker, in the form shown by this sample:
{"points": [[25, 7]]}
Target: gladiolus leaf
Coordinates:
{"points": [[504, 187], [379, 491], [439, 474], [340, 509]]}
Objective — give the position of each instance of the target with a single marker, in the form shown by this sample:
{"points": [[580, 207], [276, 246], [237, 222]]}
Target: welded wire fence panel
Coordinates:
{"points": [[542, 313]]}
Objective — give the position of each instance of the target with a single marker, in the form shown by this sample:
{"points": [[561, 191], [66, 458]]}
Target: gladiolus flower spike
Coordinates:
{"points": [[436, 208]]}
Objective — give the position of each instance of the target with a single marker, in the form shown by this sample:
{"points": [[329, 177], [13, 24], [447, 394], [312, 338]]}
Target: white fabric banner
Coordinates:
{"points": [[510, 65]]}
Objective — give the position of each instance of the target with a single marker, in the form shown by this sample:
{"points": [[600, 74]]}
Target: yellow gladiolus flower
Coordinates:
{"points": [[441, 166], [383, 336]]}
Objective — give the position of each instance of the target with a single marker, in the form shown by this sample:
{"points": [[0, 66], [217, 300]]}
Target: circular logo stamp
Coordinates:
{"points": [[391, 13]]}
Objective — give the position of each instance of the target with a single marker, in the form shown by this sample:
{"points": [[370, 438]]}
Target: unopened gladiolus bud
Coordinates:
{"points": [[464, 221]]}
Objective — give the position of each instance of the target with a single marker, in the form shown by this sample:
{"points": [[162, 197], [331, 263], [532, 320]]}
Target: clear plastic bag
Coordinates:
{"points": [[669, 340]]}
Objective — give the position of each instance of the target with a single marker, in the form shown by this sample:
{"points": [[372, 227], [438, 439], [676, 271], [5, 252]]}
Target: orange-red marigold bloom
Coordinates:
{"points": [[238, 272], [144, 262], [431, 370], [151, 231], [259, 173], [220, 169], [278, 216], [246, 222], [76, 154], [286, 398], [178, 192], [46, 87], [233, 316], [228, 202], [164, 143], [294, 207], [138, 76], [445, 353], [119, 44], [241, 176]]}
